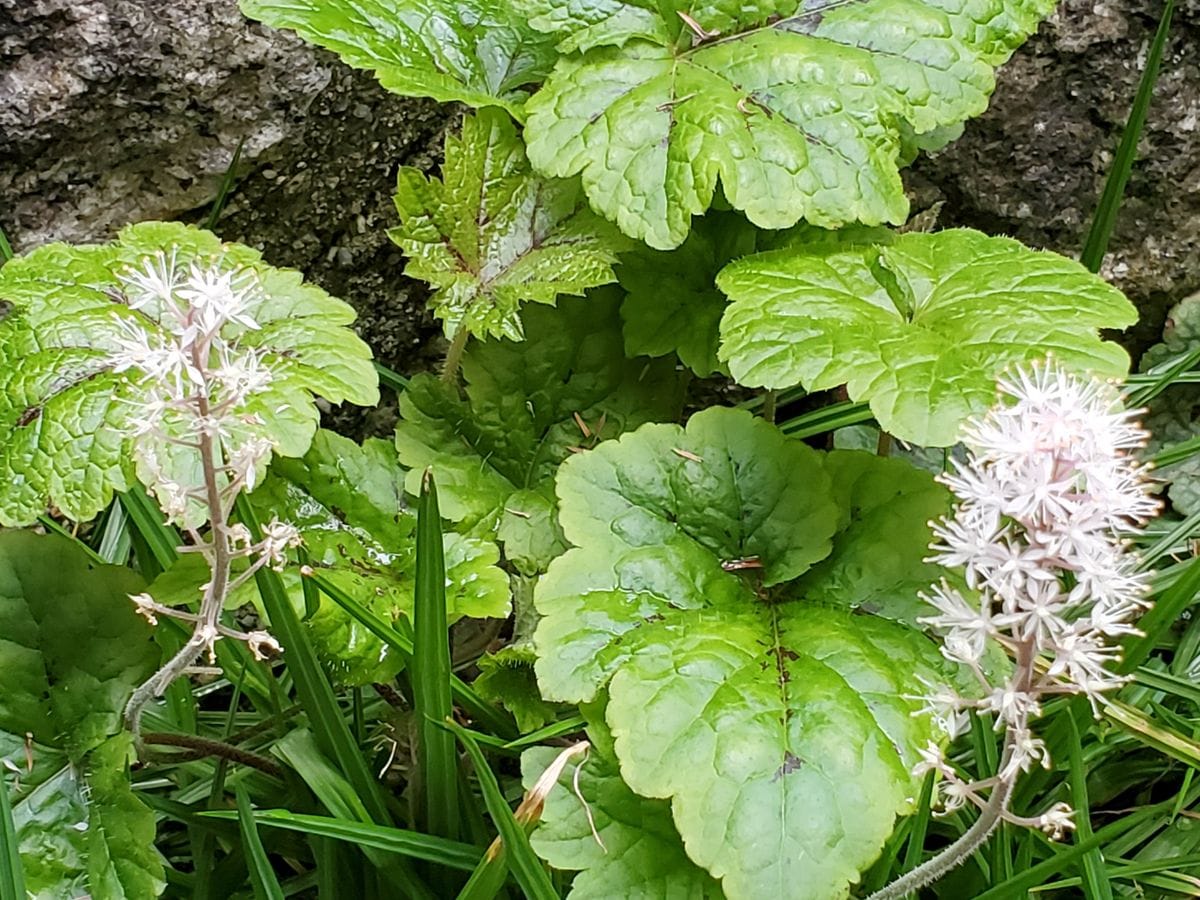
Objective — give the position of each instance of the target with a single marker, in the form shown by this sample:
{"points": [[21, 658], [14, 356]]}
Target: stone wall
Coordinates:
{"points": [[117, 110]]}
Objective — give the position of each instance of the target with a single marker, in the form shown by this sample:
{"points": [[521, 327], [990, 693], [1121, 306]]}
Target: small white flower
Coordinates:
{"points": [[261, 643], [1057, 820], [145, 606], [278, 537], [219, 296]]}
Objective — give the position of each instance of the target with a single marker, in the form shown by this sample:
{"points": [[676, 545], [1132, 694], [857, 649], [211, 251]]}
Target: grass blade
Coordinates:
{"points": [[526, 867], [464, 695], [1155, 624], [399, 841], [1096, 884], [6, 251], [436, 754], [225, 188], [12, 879], [262, 876], [391, 378], [160, 539], [1118, 176]]}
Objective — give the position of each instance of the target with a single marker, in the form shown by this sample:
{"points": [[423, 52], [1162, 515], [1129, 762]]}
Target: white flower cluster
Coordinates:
{"points": [[197, 441], [1048, 490], [193, 377]]}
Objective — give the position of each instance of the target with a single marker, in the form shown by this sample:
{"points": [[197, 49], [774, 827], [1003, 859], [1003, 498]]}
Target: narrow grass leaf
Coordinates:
{"points": [[464, 695], [1118, 176], [12, 880], [1095, 877], [1156, 623], [225, 188], [262, 876], [400, 841], [524, 863], [437, 757]]}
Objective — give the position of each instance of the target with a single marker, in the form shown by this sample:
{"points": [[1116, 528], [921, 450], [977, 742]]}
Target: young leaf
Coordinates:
{"points": [[491, 235], [69, 413], [526, 407], [733, 691], [919, 328], [73, 651], [634, 852], [798, 109], [506, 677], [348, 503], [478, 52]]}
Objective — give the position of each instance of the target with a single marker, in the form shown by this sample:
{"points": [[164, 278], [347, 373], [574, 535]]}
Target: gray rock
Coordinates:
{"points": [[1034, 165], [119, 110]]}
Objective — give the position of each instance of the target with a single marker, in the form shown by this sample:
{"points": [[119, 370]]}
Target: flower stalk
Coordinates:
{"points": [[197, 442], [1046, 501]]}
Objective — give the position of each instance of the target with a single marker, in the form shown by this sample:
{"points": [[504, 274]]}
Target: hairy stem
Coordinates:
{"points": [[990, 815], [454, 355], [199, 747], [220, 558]]}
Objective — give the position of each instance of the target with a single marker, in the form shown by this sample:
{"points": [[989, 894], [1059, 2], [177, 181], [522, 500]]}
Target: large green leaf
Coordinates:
{"points": [[919, 328], [348, 503], [66, 413], [781, 725], [495, 451], [479, 52], [491, 235], [635, 853], [799, 109], [72, 649], [685, 317]]}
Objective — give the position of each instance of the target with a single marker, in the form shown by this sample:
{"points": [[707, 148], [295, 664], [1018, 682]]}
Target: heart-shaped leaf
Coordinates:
{"points": [[528, 406], [68, 414], [781, 726], [920, 328], [348, 503], [73, 649], [799, 109]]}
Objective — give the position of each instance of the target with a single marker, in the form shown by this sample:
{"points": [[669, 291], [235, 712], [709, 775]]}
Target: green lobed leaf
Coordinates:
{"points": [[72, 651], [348, 502], [495, 451], [478, 52], [799, 110], [782, 728], [672, 304], [641, 856], [69, 414], [877, 564], [919, 328], [491, 235]]}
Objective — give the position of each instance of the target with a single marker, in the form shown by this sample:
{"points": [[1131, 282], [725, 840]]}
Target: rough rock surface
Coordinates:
{"points": [[118, 110]]}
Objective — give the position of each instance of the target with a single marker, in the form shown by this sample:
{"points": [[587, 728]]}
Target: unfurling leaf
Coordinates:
{"points": [[741, 684], [491, 235], [799, 109], [919, 328], [67, 414], [478, 52], [528, 406]]}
